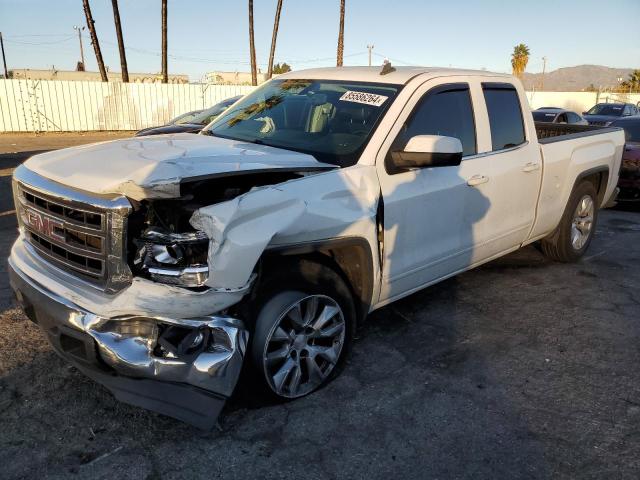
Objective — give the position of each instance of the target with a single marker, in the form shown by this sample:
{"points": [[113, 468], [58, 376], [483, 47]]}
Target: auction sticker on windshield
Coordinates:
{"points": [[363, 97]]}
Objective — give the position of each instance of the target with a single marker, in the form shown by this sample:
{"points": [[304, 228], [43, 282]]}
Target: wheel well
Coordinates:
{"points": [[349, 258], [599, 179]]}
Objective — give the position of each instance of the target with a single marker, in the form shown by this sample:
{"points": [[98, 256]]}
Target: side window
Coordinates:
{"points": [[446, 110], [573, 117], [505, 115], [562, 118]]}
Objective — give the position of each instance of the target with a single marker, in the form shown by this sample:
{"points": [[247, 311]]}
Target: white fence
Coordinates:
{"points": [[70, 106]]}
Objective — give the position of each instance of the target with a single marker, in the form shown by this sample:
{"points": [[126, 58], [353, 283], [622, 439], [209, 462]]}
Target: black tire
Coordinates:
{"points": [[559, 245], [284, 288]]}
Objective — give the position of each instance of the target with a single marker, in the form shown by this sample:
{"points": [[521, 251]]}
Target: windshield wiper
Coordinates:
{"points": [[257, 141]]}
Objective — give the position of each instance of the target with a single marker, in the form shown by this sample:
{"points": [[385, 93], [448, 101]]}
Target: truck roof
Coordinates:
{"points": [[400, 76]]}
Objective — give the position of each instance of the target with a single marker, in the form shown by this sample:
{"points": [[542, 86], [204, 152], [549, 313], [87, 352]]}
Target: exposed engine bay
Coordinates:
{"points": [[162, 244]]}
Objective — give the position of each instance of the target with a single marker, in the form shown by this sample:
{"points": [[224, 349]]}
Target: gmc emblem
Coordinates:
{"points": [[47, 226]]}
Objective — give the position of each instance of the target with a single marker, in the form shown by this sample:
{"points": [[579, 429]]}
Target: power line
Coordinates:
{"points": [[48, 42], [395, 60], [216, 60]]}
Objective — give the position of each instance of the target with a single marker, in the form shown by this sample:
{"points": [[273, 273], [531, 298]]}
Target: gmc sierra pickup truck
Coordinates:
{"points": [[162, 266]]}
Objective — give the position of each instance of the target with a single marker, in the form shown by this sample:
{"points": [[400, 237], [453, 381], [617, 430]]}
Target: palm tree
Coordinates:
{"points": [[632, 83], [94, 40], [165, 73], [274, 36], [519, 59], [341, 35], [252, 47], [123, 58]]}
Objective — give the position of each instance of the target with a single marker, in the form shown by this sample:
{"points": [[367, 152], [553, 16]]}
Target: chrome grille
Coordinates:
{"points": [[75, 232], [73, 215]]}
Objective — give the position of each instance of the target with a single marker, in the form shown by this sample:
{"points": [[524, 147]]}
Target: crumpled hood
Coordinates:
{"points": [[154, 166]]}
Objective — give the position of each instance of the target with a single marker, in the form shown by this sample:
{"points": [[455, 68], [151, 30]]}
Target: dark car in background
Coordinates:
{"points": [[629, 182], [558, 115], [185, 117], [191, 125], [604, 113]]}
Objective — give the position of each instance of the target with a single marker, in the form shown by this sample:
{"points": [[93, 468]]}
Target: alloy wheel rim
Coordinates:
{"points": [[304, 346], [582, 223]]}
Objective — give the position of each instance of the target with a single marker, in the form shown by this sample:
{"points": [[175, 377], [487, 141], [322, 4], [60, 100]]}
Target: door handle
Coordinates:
{"points": [[477, 180], [531, 166]]}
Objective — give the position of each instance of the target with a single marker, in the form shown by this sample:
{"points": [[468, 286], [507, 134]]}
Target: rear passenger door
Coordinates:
{"points": [[515, 168]]}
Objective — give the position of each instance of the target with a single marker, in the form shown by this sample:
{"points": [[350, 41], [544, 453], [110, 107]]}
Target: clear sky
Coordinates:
{"points": [[207, 35]]}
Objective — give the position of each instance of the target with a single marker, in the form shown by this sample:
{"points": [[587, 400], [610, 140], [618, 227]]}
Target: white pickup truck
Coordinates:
{"points": [[160, 266]]}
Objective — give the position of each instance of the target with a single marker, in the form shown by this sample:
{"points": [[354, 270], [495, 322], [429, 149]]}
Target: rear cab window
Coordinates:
{"points": [[505, 115]]}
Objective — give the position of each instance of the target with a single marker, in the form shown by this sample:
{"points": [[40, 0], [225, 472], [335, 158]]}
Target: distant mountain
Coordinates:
{"points": [[575, 79]]}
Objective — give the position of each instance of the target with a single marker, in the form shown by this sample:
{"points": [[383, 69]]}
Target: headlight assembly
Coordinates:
{"points": [[173, 258]]}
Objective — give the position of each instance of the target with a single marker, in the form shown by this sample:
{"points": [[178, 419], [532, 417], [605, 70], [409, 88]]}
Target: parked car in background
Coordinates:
{"points": [[605, 113], [185, 117], [193, 124], [558, 115], [629, 182]]}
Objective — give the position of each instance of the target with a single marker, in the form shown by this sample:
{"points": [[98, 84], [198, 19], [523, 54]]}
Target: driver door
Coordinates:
{"points": [[433, 217]]}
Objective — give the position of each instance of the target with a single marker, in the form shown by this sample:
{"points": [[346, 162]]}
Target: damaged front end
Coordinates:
{"points": [[172, 339], [166, 339], [184, 368]]}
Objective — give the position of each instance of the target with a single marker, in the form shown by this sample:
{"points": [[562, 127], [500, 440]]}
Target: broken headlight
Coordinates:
{"points": [[173, 258]]}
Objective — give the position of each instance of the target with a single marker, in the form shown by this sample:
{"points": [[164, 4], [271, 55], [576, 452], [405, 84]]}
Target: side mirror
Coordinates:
{"points": [[428, 151], [585, 113]]}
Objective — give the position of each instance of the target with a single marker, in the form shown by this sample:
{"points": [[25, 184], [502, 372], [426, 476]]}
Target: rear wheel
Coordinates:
{"points": [[303, 330], [575, 232]]}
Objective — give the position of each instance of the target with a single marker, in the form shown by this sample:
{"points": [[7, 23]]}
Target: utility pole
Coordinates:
{"points": [[252, 47], [369, 47], [165, 74], [79, 29], [4, 60], [340, 53], [123, 58], [94, 40], [544, 70], [274, 36]]}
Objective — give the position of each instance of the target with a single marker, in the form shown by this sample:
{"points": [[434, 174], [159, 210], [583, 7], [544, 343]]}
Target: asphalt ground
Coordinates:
{"points": [[522, 368]]}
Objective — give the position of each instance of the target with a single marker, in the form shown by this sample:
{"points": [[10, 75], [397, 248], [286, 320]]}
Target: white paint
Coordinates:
{"points": [[334, 204], [152, 167], [433, 144]]}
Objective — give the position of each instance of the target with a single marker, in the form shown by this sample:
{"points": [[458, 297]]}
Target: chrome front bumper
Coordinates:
{"points": [[183, 368]]}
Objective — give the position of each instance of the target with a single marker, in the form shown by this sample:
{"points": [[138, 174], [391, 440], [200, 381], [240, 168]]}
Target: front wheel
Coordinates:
{"points": [[302, 331], [577, 227]]}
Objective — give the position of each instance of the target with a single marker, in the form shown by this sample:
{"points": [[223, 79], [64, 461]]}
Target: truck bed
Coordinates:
{"points": [[557, 132]]}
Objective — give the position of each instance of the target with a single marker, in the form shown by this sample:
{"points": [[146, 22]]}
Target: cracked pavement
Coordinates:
{"points": [[522, 368]]}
